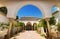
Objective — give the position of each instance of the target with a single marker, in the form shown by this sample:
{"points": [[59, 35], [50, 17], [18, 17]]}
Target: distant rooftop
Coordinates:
{"points": [[29, 19]]}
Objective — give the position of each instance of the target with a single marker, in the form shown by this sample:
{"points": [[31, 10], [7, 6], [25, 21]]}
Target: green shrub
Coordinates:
{"points": [[21, 24], [43, 35], [4, 25], [15, 24], [58, 27]]}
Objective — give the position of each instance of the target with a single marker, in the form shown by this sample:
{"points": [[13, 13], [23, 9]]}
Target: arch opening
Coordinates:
{"points": [[54, 9], [34, 26], [28, 26], [30, 3], [29, 10]]}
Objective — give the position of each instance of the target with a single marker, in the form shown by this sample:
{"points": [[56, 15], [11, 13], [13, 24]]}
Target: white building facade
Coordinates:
{"points": [[32, 20]]}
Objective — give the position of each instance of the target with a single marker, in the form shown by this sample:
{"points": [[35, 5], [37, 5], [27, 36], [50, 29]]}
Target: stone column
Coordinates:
{"points": [[48, 27], [10, 26], [58, 6]]}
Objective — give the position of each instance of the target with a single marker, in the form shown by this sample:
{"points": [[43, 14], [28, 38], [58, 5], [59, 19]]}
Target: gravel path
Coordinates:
{"points": [[28, 35]]}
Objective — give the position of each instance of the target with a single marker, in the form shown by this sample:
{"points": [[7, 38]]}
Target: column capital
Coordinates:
{"points": [[47, 19], [11, 20]]}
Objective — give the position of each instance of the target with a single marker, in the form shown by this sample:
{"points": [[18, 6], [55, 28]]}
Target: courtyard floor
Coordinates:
{"points": [[28, 35]]}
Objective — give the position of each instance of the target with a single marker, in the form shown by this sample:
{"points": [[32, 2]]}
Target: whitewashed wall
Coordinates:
{"points": [[3, 19], [14, 6]]}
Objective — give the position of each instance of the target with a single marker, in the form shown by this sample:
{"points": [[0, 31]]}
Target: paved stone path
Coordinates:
{"points": [[29, 35]]}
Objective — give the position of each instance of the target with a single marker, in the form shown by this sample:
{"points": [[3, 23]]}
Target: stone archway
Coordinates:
{"points": [[34, 26], [32, 3], [45, 8], [28, 26]]}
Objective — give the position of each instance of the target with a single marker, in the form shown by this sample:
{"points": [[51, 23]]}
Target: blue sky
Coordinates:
{"points": [[54, 8], [31, 11]]}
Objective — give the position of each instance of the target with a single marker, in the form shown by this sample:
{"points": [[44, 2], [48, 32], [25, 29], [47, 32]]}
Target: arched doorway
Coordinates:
{"points": [[28, 26], [35, 26]]}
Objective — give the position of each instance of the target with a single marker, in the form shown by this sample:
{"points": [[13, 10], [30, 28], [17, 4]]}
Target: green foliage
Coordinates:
{"points": [[42, 23], [15, 24], [4, 25], [20, 23], [43, 35], [38, 26], [1, 24], [16, 17], [58, 27], [52, 21], [3, 9]]}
